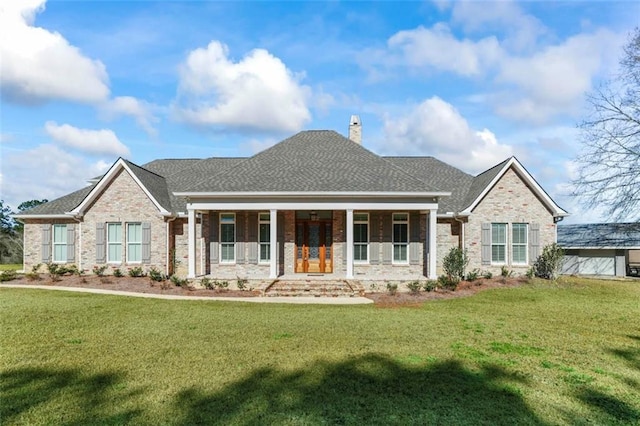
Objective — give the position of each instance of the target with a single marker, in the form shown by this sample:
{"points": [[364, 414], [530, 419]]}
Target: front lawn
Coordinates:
{"points": [[564, 353], [10, 266]]}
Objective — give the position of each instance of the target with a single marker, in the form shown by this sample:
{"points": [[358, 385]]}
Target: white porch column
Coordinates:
{"points": [[191, 230], [431, 240], [349, 253], [273, 246]]}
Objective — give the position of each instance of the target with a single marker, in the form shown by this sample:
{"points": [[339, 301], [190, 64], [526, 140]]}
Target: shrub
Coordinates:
{"points": [[8, 275], [221, 284], [430, 285], [505, 272], [34, 275], [99, 270], [414, 287], [454, 264], [55, 271], [447, 283], [241, 283], [547, 265], [487, 275], [530, 273], [156, 275], [207, 283], [136, 272], [473, 275], [117, 273], [179, 282], [392, 288]]}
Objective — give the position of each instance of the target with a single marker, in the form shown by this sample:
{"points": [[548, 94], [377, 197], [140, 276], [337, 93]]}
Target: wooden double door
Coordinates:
{"points": [[314, 246]]}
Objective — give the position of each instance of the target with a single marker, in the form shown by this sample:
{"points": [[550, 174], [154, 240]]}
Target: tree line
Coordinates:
{"points": [[12, 231]]}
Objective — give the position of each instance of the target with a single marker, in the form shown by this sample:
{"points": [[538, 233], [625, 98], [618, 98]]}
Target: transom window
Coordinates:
{"points": [[361, 237], [134, 242], [227, 237], [114, 242], [60, 243], [400, 237], [264, 231], [498, 242], [519, 243]]}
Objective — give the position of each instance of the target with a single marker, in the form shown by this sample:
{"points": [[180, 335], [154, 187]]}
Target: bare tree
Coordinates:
{"points": [[609, 164]]}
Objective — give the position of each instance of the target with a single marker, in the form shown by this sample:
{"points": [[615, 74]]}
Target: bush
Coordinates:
{"points": [[447, 283], [8, 275], [454, 264], [505, 272], [179, 282], [156, 275], [136, 272], [547, 265], [241, 283], [221, 284], [414, 287], [117, 273], [430, 285], [55, 271], [487, 275], [207, 283], [473, 275], [99, 270], [34, 275], [392, 288]]}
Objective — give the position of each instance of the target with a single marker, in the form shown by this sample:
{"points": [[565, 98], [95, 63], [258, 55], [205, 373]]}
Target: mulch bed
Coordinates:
{"points": [[145, 285]]}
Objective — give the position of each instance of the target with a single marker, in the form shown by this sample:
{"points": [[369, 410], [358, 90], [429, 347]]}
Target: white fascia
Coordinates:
{"points": [[310, 194]]}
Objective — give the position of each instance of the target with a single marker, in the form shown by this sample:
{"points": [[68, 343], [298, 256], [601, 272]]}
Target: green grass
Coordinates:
{"points": [[564, 353], [10, 266]]}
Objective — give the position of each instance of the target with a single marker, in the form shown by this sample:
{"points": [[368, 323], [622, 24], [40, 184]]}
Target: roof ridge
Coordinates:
{"points": [[130, 163]]}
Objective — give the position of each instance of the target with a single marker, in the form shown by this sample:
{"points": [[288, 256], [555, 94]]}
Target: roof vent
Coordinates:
{"points": [[355, 129]]}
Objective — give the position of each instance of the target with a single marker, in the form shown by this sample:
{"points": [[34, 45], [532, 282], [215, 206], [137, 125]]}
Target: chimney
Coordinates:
{"points": [[355, 129]]}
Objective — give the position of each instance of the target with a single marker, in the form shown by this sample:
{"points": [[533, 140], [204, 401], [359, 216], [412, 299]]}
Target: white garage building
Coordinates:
{"points": [[609, 249]]}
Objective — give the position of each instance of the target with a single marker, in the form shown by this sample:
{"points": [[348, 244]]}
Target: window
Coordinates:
{"points": [[114, 242], [227, 237], [264, 234], [519, 243], [59, 243], [400, 237], [361, 237], [134, 242], [498, 242]]}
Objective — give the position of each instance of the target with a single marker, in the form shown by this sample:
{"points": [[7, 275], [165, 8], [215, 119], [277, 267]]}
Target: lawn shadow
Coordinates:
{"points": [[371, 389], [609, 407], [97, 398]]}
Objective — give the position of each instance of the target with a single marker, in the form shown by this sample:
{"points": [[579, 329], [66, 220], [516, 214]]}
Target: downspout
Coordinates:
{"points": [[169, 220]]}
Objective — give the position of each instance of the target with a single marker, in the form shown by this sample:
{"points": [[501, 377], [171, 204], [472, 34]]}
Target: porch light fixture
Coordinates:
{"points": [[313, 215]]}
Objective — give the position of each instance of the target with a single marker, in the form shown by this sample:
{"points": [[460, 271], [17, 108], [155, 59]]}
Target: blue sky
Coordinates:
{"points": [[470, 83]]}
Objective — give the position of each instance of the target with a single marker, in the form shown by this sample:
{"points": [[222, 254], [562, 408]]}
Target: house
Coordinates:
{"points": [[611, 249], [317, 204]]}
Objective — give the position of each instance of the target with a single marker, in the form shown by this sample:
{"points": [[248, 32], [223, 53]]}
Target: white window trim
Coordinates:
{"points": [[232, 261], [525, 244], [54, 243], [505, 244], [260, 243], [109, 243], [136, 243], [360, 222], [393, 238]]}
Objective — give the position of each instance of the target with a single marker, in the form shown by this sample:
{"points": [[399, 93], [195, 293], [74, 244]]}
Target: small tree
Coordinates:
{"points": [[454, 264], [548, 264]]}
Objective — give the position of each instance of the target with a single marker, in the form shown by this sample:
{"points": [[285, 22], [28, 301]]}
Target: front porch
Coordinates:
{"points": [[309, 241]]}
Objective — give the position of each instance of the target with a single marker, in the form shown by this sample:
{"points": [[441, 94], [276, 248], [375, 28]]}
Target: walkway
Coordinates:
{"points": [[293, 300]]}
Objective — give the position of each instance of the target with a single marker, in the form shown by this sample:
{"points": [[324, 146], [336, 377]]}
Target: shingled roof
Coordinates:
{"points": [[61, 205], [313, 161], [600, 235]]}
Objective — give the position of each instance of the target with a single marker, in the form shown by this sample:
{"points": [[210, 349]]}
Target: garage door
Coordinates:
{"points": [[597, 262]]}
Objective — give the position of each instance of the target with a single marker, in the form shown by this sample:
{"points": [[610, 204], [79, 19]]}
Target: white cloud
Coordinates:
{"points": [[50, 173], [141, 111], [554, 80], [38, 65], [257, 92], [438, 48], [94, 142], [436, 128]]}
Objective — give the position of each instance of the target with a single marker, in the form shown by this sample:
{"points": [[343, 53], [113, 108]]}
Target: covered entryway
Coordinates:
{"points": [[314, 242]]}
